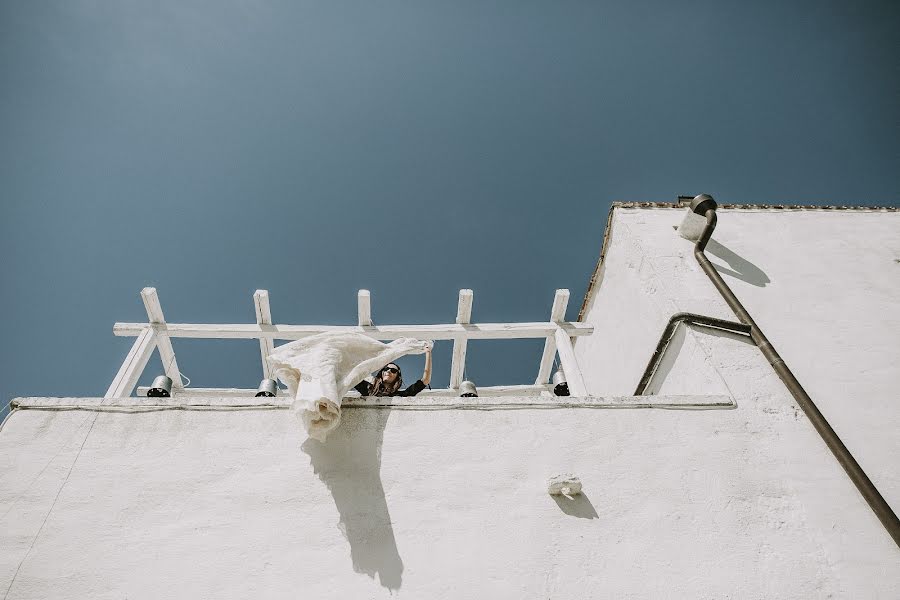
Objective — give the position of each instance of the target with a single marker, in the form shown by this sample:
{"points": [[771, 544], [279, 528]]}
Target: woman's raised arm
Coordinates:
{"points": [[426, 376]]}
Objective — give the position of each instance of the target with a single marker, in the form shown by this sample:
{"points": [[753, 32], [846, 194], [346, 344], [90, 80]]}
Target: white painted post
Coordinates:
{"points": [[133, 366], [163, 343], [364, 308], [557, 315], [264, 317], [569, 364], [463, 317]]}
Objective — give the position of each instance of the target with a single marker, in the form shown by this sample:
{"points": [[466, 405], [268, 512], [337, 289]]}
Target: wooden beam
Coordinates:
{"points": [[495, 390], [498, 390], [163, 343], [569, 364], [481, 331], [264, 317], [364, 308], [133, 366], [213, 392], [463, 317], [557, 315]]}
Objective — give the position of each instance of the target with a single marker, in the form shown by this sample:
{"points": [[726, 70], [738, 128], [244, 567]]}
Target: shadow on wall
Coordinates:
{"points": [[675, 347], [349, 463], [676, 343], [740, 268], [578, 505]]}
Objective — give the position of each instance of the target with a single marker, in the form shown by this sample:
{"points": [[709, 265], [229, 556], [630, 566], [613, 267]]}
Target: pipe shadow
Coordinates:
{"points": [[673, 349], [741, 268], [349, 464], [578, 505]]}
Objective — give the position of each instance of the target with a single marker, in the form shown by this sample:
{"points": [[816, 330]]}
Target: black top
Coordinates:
{"points": [[363, 388]]}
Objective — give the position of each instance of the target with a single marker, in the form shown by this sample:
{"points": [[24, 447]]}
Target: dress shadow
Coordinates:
{"points": [[349, 464]]}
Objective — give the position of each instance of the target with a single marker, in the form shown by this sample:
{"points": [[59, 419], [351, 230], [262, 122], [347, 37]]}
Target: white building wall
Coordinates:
{"points": [[430, 504], [701, 501], [823, 286]]}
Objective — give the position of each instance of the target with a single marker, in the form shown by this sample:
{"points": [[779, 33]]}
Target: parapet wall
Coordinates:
{"points": [[683, 497]]}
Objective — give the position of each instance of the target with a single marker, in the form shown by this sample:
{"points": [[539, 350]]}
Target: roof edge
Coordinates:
{"points": [[593, 282], [684, 201]]}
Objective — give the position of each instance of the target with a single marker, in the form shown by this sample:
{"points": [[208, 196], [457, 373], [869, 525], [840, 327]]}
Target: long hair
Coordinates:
{"points": [[380, 388]]}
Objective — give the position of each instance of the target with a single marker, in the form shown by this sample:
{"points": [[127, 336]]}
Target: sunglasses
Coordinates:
{"points": [[391, 369]]}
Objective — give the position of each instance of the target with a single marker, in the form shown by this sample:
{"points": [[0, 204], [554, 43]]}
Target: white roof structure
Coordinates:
{"points": [[707, 481], [157, 334]]}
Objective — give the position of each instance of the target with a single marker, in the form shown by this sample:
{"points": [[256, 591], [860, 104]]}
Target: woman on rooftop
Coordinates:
{"points": [[389, 380]]}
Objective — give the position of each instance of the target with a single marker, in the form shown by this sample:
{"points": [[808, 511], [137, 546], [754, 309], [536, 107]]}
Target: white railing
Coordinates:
{"points": [[157, 333]]}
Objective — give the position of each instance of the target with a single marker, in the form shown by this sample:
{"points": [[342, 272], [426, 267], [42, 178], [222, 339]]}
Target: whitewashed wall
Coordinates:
{"points": [[825, 288], [426, 504], [679, 502]]}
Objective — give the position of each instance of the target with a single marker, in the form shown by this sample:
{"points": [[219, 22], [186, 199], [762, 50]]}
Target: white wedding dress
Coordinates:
{"points": [[320, 369]]}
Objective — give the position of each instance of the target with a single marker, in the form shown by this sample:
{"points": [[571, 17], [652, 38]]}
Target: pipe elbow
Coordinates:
{"points": [[703, 203]]}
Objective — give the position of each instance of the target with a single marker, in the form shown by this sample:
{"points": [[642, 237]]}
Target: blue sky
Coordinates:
{"points": [[410, 148]]}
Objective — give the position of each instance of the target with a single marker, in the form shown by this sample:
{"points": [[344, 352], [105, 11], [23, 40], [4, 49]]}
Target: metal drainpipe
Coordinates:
{"points": [[669, 332], [706, 206]]}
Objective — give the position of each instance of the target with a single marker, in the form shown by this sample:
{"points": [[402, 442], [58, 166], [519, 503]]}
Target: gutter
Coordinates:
{"points": [[705, 206]]}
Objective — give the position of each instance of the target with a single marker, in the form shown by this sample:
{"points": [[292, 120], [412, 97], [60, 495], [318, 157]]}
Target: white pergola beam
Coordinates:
{"points": [[133, 366], [463, 317], [163, 343], [480, 331], [496, 390], [557, 315], [213, 392], [364, 308], [499, 390], [569, 364], [264, 317]]}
